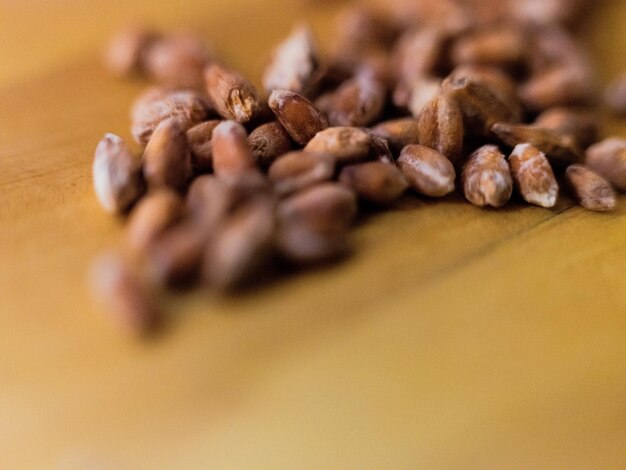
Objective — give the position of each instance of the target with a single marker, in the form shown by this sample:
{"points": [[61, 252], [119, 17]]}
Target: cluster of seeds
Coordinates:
{"points": [[423, 96]]}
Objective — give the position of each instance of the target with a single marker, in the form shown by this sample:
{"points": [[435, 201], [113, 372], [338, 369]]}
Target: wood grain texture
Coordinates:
{"points": [[454, 338]]}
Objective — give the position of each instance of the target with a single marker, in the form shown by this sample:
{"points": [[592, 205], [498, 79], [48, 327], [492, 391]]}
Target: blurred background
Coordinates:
{"points": [[36, 33]]}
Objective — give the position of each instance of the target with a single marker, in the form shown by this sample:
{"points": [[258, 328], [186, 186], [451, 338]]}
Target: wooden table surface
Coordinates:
{"points": [[454, 338]]}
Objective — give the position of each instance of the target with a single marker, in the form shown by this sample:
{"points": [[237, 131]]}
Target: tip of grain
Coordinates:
{"points": [[278, 97], [229, 127], [547, 200], [113, 138], [172, 124], [490, 148], [520, 149]]}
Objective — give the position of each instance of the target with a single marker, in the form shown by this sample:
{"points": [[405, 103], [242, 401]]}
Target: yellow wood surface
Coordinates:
{"points": [[454, 338]]}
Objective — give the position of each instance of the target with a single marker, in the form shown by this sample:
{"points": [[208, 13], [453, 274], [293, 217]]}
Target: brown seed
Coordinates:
{"points": [[357, 102], [379, 149], [545, 12], [155, 105], [125, 53], [324, 102], [263, 116], [147, 97], [377, 61], [559, 86], [486, 178], [297, 170], [268, 142], [398, 132], [427, 171], [441, 127], [177, 60], [117, 178], [209, 200], [578, 124], [329, 75], [154, 214], [496, 80], [201, 146], [533, 176], [301, 244], [483, 13], [123, 295], [344, 144], [615, 96], [361, 28], [294, 62], [249, 184], [233, 96], [591, 190], [420, 92], [300, 118], [326, 207], [480, 106], [560, 150], [166, 159], [242, 247], [418, 53], [378, 182], [174, 258], [231, 152], [501, 46], [449, 16], [553, 47], [608, 159]]}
